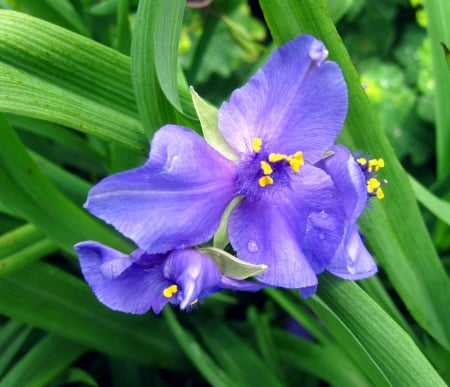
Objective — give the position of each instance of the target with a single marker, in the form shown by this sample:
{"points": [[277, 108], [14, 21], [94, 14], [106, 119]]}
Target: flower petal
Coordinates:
{"points": [[241, 285], [308, 291], [294, 103], [320, 215], [348, 179], [264, 233], [134, 291], [195, 273], [175, 200], [353, 261]]}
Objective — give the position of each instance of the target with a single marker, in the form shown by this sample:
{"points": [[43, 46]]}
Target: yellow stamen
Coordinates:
{"points": [[274, 157], [376, 164], [380, 193], [296, 161], [362, 161], [372, 184], [194, 302], [265, 181], [257, 144], [266, 167], [170, 291]]}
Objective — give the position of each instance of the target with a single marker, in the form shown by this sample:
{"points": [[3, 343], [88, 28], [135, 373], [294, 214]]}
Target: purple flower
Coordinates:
{"points": [[298, 210], [139, 282]]}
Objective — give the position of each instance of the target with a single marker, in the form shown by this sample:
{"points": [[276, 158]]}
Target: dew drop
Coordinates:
{"points": [[252, 246]]}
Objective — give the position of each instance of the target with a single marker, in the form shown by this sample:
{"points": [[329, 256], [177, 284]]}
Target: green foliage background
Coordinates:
{"points": [[83, 86]]}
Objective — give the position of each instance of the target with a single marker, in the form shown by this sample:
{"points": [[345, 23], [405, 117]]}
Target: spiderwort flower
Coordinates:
{"points": [[294, 215], [139, 282]]}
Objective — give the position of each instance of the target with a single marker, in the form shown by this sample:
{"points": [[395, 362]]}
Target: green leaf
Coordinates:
{"points": [[46, 297], [438, 207], [208, 116], [12, 338], [154, 108], [394, 228], [46, 360], [59, 12], [232, 266], [438, 14], [326, 362], [28, 192], [352, 316], [52, 74], [237, 357], [196, 354]]}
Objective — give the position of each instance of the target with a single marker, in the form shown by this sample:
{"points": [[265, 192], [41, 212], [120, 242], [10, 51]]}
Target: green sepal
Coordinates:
{"points": [[230, 265], [208, 116]]}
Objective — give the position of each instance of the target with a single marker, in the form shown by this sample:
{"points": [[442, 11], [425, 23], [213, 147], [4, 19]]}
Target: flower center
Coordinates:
{"points": [[266, 170]]}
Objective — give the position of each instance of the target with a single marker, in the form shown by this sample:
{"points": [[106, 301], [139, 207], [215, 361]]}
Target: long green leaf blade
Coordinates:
{"points": [[49, 73], [343, 303], [46, 360]]}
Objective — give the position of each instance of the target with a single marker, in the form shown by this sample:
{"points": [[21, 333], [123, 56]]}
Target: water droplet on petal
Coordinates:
{"points": [[252, 246]]}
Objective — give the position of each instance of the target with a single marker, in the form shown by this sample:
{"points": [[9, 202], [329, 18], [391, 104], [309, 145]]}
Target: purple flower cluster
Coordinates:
{"points": [[300, 194]]}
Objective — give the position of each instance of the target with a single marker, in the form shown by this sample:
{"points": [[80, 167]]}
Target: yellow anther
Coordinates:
{"points": [[373, 184], [257, 144], [266, 168], [170, 291], [296, 161], [361, 161], [194, 302], [264, 181], [380, 193], [274, 157], [295, 165], [376, 164]]}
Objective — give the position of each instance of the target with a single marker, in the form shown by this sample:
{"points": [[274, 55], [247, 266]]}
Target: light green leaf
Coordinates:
{"points": [[208, 116], [232, 266], [221, 236]]}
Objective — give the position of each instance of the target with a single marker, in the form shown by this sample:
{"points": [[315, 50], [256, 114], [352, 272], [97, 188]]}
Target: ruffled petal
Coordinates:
{"points": [[353, 261], [348, 179], [134, 290], [264, 233], [295, 102], [193, 272], [175, 200]]}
